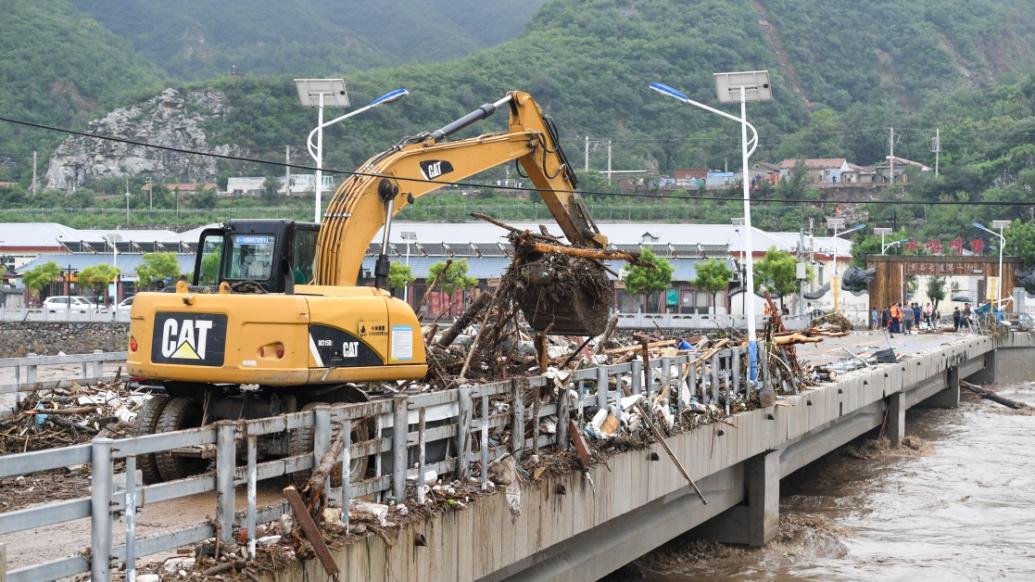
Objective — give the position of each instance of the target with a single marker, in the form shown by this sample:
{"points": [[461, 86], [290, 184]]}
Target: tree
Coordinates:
{"points": [[454, 278], [158, 266], [270, 189], [210, 268], [399, 276], [936, 291], [204, 198], [652, 277], [777, 273], [1020, 241], [37, 278], [98, 277], [713, 276]]}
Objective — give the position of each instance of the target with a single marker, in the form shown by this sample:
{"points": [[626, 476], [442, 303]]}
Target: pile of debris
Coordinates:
{"points": [[67, 416]]}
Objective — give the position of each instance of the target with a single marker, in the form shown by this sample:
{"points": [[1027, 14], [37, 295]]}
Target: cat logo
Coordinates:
{"points": [[189, 342], [183, 338], [434, 168], [349, 349]]}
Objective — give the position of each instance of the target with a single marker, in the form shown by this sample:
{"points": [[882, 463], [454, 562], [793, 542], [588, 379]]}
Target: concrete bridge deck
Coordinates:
{"points": [[575, 527]]}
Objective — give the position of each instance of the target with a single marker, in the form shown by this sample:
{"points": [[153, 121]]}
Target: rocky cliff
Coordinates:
{"points": [[174, 118]]}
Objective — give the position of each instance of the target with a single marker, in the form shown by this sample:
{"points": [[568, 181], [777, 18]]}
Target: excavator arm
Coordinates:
{"points": [[388, 182]]}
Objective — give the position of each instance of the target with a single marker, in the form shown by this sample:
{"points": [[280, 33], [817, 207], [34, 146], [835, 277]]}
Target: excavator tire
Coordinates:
{"points": [[147, 421], [178, 414], [301, 442]]}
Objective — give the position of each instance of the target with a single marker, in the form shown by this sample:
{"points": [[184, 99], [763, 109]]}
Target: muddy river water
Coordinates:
{"points": [[957, 505]]}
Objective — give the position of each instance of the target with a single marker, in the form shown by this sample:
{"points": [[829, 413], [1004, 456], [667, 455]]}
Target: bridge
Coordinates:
{"points": [[577, 525]]}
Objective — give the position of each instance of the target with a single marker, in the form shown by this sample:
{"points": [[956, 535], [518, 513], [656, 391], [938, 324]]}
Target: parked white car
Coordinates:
{"points": [[67, 304], [124, 307]]}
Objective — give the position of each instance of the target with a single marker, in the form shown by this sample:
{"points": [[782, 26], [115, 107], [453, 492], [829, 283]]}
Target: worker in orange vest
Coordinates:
{"points": [[896, 318]]}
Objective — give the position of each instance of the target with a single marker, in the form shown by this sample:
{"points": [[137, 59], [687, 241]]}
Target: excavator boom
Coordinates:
{"points": [[367, 201]]}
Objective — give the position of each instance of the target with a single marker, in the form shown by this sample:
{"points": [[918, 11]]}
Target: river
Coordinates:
{"points": [[958, 504]]}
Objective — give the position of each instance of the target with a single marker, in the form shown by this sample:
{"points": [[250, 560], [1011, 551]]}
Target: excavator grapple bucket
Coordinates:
{"points": [[564, 295]]}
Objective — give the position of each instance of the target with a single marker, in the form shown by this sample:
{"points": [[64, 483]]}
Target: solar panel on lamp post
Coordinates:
{"points": [[322, 93], [738, 87]]}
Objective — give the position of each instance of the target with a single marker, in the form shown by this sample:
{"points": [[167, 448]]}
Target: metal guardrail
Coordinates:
{"points": [[700, 321], [463, 417], [27, 369]]}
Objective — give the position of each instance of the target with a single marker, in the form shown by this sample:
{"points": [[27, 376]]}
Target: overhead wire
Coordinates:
{"points": [[637, 195]]}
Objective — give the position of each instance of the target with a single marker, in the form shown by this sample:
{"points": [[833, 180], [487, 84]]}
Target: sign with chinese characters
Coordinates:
{"points": [[942, 269]]}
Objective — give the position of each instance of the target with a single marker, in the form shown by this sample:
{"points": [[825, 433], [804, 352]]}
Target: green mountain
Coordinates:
{"points": [[199, 38], [59, 67]]}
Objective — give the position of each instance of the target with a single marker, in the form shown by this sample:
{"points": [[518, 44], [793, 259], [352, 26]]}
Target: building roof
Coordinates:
{"points": [[127, 263], [33, 235], [903, 162], [814, 163]]}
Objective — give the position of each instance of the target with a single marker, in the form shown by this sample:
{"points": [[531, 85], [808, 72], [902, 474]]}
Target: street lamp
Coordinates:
{"points": [[408, 236], [739, 87], [1000, 224], [331, 92], [836, 222], [112, 238]]}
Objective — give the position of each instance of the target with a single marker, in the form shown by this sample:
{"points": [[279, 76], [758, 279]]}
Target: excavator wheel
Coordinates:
{"points": [[147, 421], [301, 442], [178, 414]]}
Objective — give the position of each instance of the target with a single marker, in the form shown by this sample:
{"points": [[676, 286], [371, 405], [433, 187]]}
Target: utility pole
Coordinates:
{"points": [[150, 195], [287, 169], [127, 201], [891, 158], [608, 161], [585, 155], [936, 147], [34, 182]]}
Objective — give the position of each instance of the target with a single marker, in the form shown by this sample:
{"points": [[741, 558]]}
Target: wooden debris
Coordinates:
{"points": [[311, 531]]}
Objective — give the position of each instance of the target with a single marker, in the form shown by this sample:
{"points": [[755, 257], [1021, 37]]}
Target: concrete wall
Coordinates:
{"points": [[1014, 361], [49, 338]]}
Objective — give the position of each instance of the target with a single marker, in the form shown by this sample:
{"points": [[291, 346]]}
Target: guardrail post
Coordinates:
{"points": [[400, 429], [485, 441], [420, 455], [346, 471], [666, 376], [100, 510], [463, 433], [517, 431], [602, 382], [253, 442], [535, 419], [736, 371], [691, 379], [637, 376], [763, 364], [226, 459], [321, 436], [562, 416], [131, 521]]}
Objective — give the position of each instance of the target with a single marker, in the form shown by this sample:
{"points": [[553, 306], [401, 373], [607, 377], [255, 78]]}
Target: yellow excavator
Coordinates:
{"points": [[273, 320]]}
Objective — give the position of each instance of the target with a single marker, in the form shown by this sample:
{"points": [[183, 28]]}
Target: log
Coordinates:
{"points": [[431, 287], [311, 531], [638, 347], [585, 253], [790, 340], [609, 332], [314, 487], [465, 319], [75, 410], [991, 395]]}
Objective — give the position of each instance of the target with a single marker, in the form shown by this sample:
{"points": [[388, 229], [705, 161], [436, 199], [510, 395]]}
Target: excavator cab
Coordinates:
{"points": [[256, 256]]}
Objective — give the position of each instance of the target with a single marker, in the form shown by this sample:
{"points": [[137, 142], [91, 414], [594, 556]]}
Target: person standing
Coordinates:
{"points": [[896, 318], [885, 318], [917, 313], [965, 316], [956, 319], [927, 315], [874, 319]]}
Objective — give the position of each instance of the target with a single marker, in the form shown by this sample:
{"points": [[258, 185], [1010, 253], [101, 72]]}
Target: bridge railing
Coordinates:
{"points": [[26, 371], [397, 433]]}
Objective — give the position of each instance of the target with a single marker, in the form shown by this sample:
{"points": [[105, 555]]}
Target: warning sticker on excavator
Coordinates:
{"points": [[402, 342]]}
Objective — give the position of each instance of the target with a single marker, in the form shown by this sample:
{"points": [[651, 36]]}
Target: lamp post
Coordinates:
{"points": [[408, 236], [330, 92], [1000, 224], [739, 87], [836, 222]]}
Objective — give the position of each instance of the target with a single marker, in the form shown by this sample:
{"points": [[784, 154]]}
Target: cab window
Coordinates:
{"points": [[211, 251], [303, 254], [251, 257]]}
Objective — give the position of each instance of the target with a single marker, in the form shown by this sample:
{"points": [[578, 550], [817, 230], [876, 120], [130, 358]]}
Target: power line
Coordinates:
{"points": [[516, 188]]}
